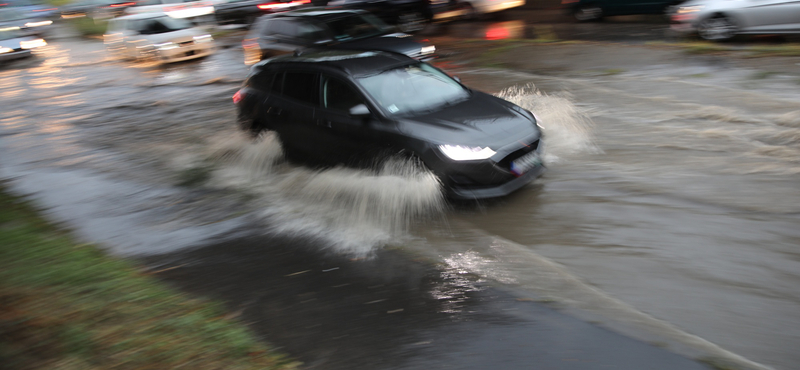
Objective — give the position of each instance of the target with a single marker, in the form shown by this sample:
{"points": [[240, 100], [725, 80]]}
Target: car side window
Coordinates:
{"points": [[263, 81], [339, 96], [281, 27], [301, 86]]}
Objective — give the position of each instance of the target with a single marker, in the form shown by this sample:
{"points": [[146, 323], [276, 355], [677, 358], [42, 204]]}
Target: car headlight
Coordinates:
{"points": [[5, 50], [466, 153], [32, 44], [166, 46], [204, 38], [427, 50], [690, 9], [38, 24]]}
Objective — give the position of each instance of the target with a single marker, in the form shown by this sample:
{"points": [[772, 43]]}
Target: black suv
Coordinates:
{"points": [[358, 107], [283, 33]]}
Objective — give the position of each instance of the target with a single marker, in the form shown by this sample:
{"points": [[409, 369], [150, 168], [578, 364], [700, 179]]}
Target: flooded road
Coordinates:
{"points": [[669, 212]]}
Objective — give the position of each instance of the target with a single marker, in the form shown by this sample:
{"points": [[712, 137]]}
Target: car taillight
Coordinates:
{"points": [[238, 97]]}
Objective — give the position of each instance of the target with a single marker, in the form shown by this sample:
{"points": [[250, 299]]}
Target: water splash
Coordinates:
{"points": [[568, 129], [354, 210]]}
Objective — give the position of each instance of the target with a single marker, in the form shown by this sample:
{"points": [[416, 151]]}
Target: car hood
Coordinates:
{"points": [[393, 42], [174, 36], [481, 120], [14, 43]]}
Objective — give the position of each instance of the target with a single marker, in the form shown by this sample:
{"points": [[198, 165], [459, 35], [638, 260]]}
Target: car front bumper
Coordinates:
{"points": [[16, 54], [503, 189], [182, 53]]}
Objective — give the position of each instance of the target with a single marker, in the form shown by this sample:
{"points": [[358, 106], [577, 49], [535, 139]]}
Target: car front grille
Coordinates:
{"points": [[505, 163], [186, 43]]}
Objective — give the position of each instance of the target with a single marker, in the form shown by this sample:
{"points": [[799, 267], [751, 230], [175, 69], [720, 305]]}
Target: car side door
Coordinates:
{"points": [[352, 138], [770, 15], [289, 109]]}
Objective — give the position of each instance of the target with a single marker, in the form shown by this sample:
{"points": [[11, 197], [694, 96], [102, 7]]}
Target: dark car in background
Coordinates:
{"points": [[588, 10], [359, 107], [99, 9], [246, 11], [283, 33], [408, 15]]}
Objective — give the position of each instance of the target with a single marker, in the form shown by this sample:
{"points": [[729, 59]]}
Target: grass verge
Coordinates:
{"points": [[65, 305]]}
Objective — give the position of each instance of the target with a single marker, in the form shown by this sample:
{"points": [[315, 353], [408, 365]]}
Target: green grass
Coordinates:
{"points": [[65, 305], [87, 26]]}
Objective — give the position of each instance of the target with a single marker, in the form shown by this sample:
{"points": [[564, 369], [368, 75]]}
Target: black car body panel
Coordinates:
{"points": [[308, 100], [246, 11], [278, 34]]}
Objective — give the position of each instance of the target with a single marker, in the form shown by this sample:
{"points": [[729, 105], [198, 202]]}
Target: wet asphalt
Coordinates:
{"points": [[393, 311]]}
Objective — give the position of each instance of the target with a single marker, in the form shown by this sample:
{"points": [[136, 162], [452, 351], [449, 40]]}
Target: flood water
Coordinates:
{"points": [[669, 211]]}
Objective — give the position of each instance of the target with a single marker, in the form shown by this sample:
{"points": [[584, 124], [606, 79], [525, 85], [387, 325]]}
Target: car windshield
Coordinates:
{"points": [[411, 89], [356, 26], [164, 24]]}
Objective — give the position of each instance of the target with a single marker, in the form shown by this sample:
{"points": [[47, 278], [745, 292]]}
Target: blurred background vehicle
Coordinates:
{"points": [[99, 9], [14, 19], [246, 11], [157, 36], [588, 10], [197, 11], [32, 8], [15, 44], [408, 15], [721, 20], [478, 8], [316, 27]]}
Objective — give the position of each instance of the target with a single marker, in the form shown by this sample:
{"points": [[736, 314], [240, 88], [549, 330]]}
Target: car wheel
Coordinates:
{"points": [[588, 12], [716, 28], [410, 22]]}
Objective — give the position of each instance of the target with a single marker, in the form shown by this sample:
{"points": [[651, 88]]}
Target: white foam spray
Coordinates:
{"points": [[567, 128], [353, 210]]}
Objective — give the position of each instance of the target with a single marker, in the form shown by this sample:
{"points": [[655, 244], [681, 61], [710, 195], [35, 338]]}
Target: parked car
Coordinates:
{"points": [[197, 11], [32, 8], [721, 20], [247, 11], [408, 15], [14, 19], [357, 107], [284, 33], [15, 45], [157, 36], [100, 9], [588, 10]]}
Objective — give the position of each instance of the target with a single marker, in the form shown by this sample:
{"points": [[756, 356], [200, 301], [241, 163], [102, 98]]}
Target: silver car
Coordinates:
{"points": [[723, 19]]}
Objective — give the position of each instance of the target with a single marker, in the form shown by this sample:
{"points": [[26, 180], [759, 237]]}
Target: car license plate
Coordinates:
{"points": [[525, 163]]}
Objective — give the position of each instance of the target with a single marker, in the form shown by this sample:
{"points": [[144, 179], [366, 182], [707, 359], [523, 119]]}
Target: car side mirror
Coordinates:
{"points": [[458, 79], [360, 110]]}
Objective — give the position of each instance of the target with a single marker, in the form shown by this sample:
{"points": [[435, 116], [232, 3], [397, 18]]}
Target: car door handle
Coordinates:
{"points": [[272, 111]]}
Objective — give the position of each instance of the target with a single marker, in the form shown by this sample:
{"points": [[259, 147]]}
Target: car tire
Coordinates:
{"points": [[410, 22], [587, 13], [717, 28]]}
